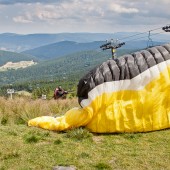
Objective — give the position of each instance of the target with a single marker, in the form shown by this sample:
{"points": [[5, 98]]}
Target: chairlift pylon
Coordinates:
{"points": [[112, 44]]}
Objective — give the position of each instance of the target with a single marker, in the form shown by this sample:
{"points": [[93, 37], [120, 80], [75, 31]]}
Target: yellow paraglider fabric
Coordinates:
{"points": [[133, 110], [73, 118]]}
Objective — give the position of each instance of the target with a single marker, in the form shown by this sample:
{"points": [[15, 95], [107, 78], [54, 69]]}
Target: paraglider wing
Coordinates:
{"points": [[127, 94]]}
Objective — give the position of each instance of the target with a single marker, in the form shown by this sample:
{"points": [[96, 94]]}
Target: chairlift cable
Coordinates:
{"points": [[144, 36], [108, 45], [158, 33], [141, 33]]}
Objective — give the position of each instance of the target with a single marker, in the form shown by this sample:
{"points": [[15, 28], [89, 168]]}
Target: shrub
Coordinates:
{"points": [[78, 134], [31, 138], [10, 155], [35, 136], [84, 155], [4, 120], [101, 166], [57, 142]]}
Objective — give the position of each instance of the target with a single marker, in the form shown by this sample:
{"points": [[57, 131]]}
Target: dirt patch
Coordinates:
{"points": [[17, 65]]}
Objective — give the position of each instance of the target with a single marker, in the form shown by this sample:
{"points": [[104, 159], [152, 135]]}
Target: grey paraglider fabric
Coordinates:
{"points": [[125, 67]]}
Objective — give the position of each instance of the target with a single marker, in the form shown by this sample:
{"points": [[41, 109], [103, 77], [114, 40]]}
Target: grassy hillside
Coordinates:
{"points": [[6, 56], [24, 147]]}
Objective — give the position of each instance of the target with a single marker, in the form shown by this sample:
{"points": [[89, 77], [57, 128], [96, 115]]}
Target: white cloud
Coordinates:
{"points": [[83, 15], [22, 19], [163, 1], [120, 9], [3, 48]]}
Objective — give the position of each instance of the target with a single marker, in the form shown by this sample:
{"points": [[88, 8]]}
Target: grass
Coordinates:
{"points": [[20, 110], [24, 148]]}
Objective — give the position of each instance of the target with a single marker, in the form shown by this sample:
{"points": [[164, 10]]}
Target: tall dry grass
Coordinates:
{"points": [[20, 110]]}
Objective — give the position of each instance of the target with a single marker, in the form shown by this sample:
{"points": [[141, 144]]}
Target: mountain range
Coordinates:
{"points": [[19, 42], [63, 48]]}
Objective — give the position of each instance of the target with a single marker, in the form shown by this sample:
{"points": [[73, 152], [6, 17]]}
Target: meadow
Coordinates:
{"points": [[27, 148]]}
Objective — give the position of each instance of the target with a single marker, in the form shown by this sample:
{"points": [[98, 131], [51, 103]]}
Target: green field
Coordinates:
{"points": [[27, 148]]}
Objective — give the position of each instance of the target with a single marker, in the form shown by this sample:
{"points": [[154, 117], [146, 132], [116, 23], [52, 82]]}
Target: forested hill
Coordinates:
{"points": [[68, 47], [72, 66], [62, 48], [6, 56]]}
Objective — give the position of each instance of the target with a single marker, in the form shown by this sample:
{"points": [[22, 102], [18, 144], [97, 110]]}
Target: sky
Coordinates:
{"points": [[97, 16]]}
